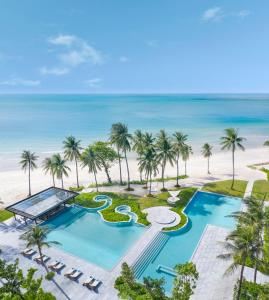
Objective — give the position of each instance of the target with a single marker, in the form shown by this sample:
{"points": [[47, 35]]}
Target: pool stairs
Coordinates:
{"points": [[149, 254]]}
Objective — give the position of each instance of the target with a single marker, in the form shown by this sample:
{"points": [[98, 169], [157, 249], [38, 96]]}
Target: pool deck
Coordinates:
{"points": [[212, 284]]}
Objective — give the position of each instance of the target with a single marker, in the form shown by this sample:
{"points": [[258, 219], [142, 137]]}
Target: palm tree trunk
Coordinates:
{"points": [[150, 183], [177, 185], [140, 171], [233, 166], [77, 170], [107, 174], [208, 172], [240, 281], [29, 180], [128, 173], [96, 184], [119, 164], [185, 168], [53, 179], [163, 175], [41, 258], [62, 181]]}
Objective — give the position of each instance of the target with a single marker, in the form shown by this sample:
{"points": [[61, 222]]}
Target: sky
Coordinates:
{"points": [[124, 46]]}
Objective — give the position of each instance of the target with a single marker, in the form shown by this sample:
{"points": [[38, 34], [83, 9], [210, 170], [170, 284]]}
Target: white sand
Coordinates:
{"points": [[14, 184]]}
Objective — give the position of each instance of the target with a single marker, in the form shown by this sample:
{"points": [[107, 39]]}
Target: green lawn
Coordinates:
{"points": [[260, 189], [4, 215], [224, 187], [86, 200]]}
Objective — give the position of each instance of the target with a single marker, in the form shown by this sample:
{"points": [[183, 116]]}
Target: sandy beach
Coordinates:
{"points": [[14, 183]]}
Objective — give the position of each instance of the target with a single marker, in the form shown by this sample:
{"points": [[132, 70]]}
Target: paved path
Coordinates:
{"points": [[162, 216]]}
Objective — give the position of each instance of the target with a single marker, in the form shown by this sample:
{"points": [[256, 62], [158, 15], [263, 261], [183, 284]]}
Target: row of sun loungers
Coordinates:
{"points": [[73, 274]]}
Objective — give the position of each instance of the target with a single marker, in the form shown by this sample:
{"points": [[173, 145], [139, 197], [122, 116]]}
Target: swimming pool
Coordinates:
{"points": [[205, 208], [84, 234]]}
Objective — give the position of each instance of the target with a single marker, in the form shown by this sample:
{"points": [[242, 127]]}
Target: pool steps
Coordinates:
{"points": [[149, 254], [166, 270]]}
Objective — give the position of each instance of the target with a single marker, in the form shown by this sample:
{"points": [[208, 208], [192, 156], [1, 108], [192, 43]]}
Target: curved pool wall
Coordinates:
{"points": [[203, 209]]}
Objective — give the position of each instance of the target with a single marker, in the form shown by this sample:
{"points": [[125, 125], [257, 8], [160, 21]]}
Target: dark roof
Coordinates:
{"points": [[41, 203]]}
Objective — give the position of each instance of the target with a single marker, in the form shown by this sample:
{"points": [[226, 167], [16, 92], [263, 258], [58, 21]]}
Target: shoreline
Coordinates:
{"points": [[14, 183]]}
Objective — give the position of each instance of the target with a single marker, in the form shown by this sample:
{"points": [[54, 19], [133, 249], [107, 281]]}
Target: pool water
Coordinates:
{"points": [[205, 208], [84, 234]]}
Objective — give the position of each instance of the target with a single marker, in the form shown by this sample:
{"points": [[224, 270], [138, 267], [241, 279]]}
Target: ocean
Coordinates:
{"points": [[41, 122]]}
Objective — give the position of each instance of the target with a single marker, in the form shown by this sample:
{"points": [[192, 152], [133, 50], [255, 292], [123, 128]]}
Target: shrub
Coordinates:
{"points": [[76, 189], [50, 275]]}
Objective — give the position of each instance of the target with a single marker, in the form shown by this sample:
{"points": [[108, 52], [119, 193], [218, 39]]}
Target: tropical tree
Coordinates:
{"points": [[107, 156], [48, 167], [148, 163], [239, 246], [37, 237], [186, 151], [266, 143], [91, 160], [178, 143], [60, 167], [138, 145], [148, 141], [207, 153], [231, 141], [72, 150], [185, 282], [114, 140], [165, 152], [122, 139], [28, 163]]}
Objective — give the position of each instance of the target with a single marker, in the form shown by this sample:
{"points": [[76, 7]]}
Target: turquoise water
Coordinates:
{"points": [[205, 208], [40, 122], [85, 235]]}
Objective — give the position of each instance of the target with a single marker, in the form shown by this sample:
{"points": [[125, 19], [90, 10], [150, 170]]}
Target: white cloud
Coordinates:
{"points": [[152, 43], [213, 14], [65, 40], [54, 71], [94, 82], [124, 59], [243, 13], [78, 51], [20, 81]]}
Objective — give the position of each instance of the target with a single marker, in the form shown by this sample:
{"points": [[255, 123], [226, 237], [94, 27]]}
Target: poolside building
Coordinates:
{"points": [[43, 205]]}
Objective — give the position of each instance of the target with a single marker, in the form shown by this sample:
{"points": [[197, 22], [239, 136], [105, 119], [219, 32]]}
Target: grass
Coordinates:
{"points": [[225, 187], [266, 247], [4, 215], [86, 200], [260, 189], [76, 189]]}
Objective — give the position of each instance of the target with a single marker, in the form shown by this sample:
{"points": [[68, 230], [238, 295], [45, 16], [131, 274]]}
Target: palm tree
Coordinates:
{"points": [[186, 151], [48, 167], [231, 141], [72, 151], [178, 143], [27, 162], [148, 163], [122, 138], [266, 143], [165, 152], [207, 152], [114, 133], [238, 243], [91, 160], [149, 141], [37, 236], [60, 167], [138, 145]]}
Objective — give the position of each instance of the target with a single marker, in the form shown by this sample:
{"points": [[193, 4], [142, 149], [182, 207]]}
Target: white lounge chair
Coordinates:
{"points": [[88, 281], [94, 284], [28, 252], [75, 275], [53, 264], [59, 266], [38, 259], [70, 271]]}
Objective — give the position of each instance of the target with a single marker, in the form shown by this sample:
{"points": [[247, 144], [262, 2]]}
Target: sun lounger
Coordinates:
{"points": [[70, 271], [94, 284], [88, 281], [28, 252], [75, 275], [58, 267], [38, 259], [53, 264]]}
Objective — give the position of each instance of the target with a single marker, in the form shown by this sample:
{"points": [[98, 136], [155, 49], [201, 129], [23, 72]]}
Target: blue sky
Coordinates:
{"points": [[120, 46]]}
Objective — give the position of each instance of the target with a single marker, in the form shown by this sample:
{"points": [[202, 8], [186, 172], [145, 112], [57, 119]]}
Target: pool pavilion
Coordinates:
{"points": [[43, 205]]}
